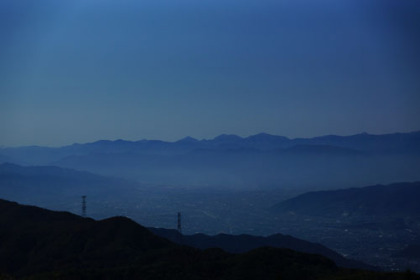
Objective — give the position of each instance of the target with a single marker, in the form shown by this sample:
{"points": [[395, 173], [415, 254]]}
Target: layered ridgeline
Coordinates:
{"points": [[261, 160], [40, 243], [378, 224], [399, 200], [52, 186], [244, 243], [369, 224], [61, 189]]}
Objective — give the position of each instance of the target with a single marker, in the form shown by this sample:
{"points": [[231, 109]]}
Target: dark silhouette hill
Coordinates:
{"points": [[44, 244], [412, 251], [394, 200], [244, 243], [35, 239]]}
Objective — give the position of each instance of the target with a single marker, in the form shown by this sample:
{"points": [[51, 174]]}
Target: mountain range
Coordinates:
{"points": [[258, 161], [364, 142]]}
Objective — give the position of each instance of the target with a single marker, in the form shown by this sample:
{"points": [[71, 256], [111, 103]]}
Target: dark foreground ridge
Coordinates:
{"points": [[244, 243], [41, 244]]}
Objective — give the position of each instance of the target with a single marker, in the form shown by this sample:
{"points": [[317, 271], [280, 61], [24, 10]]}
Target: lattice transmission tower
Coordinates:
{"points": [[83, 205]]}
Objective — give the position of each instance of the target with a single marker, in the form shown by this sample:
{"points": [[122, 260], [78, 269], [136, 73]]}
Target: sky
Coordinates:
{"points": [[84, 70]]}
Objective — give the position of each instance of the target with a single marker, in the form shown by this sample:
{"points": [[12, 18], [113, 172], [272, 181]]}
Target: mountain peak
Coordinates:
{"points": [[228, 138], [187, 139], [266, 136]]}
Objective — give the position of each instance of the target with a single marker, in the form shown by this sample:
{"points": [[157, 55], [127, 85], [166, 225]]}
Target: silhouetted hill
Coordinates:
{"points": [[35, 240], [395, 200], [244, 243], [410, 252], [44, 244]]}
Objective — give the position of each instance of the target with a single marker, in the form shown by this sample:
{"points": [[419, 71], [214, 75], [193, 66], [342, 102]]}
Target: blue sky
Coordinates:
{"points": [[84, 70]]}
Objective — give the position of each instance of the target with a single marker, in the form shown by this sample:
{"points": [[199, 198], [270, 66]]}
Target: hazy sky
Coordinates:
{"points": [[84, 70]]}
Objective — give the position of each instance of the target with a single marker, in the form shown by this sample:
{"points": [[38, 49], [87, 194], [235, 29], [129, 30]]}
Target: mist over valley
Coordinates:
{"points": [[210, 139], [259, 185]]}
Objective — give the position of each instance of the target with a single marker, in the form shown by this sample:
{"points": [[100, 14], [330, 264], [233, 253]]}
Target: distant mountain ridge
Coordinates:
{"points": [[387, 143], [230, 160], [263, 141]]}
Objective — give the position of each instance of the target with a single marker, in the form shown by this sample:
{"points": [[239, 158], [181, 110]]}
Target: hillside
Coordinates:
{"points": [[394, 200], [411, 252], [44, 244], [55, 180], [61, 188], [36, 240], [244, 243]]}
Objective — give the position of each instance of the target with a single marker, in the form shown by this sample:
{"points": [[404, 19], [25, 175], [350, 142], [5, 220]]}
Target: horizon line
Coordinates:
{"points": [[206, 139]]}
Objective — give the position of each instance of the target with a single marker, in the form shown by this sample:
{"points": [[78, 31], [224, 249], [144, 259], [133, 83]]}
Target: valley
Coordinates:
{"points": [[203, 181]]}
